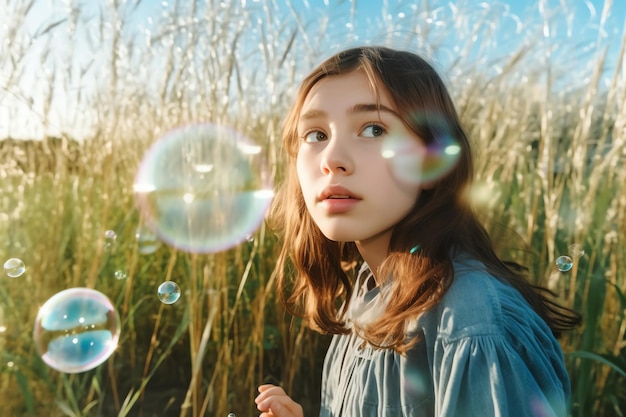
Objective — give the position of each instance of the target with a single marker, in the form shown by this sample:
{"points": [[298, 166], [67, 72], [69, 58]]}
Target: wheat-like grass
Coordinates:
{"points": [[549, 138]]}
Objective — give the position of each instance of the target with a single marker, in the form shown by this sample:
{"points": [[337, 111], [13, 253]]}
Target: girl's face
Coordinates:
{"points": [[348, 186]]}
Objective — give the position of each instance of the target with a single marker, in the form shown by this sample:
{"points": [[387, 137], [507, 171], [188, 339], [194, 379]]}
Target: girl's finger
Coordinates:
{"points": [[273, 401], [267, 391]]}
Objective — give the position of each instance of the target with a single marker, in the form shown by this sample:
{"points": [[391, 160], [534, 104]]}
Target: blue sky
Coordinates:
{"points": [[575, 24]]}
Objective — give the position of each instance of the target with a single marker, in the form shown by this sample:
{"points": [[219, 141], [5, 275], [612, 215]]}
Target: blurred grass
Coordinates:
{"points": [[549, 136]]}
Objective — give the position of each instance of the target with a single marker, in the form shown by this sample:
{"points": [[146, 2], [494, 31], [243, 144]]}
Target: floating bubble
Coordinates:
{"points": [[168, 292], [540, 407], [147, 241], [417, 162], [109, 239], [76, 330], [415, 383], [120, 275], [203, 188], [483, 194], [406, 156], [564, 263], [575, 250], [14, 268]]}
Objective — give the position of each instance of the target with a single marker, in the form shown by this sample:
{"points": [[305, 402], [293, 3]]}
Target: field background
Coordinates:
{"points": [[88, 89]]}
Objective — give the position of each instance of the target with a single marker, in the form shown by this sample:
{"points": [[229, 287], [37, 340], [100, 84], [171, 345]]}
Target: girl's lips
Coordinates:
{"points": [[336, 199], [338, 205], [337, 191]]}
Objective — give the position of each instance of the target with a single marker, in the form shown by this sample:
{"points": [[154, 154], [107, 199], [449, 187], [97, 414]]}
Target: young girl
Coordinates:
{"points": [[433, 323]]}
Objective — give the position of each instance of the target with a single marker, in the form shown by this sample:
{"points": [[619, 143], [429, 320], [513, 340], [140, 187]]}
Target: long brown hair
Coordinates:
{"points": [[315, 275]]}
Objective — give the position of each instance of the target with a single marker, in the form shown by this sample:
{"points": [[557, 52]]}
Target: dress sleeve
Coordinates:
{"points": [[484, 375]]}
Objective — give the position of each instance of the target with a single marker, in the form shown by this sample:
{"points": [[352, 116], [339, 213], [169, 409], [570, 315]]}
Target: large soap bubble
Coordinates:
{"points": [[414, 162], [203, 188], [76, 330]]}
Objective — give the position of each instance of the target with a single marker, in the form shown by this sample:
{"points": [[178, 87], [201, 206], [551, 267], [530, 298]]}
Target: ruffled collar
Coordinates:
{"points": [[367, 303]]}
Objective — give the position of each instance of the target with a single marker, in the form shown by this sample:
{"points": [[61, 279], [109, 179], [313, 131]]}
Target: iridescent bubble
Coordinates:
{"points": [[203, 188], [120, 275], [168, 292], [14, 268], [564, 263], [406, 156], [415, 382], [109, 239], [413, 161], [575, 250], [76, 330], [147, 241], [540, 406], [483, 194]]}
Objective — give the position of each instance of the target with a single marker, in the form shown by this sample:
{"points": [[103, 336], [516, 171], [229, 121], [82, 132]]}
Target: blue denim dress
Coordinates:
{"points": [[483, 352]]}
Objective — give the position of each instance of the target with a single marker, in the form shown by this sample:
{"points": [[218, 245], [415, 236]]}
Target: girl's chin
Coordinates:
{"points": [[339, 237]]}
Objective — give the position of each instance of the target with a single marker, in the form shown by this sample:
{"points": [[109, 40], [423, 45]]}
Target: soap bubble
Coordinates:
{"points": [[120, 274], [406, 156], [203, 188], [413, 161], [109, 239], [564, 263], [14, 268], [110, 235], [76, 330], [168, 292], [575, 250]]}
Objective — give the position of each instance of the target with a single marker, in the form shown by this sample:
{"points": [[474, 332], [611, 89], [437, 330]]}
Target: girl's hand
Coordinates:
{"points": [[274, 402]]}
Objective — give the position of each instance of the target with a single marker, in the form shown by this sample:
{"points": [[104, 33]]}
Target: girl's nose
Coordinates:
{"points": [[336, 158]]}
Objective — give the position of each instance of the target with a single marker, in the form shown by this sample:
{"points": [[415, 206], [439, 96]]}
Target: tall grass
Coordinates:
{"points": [[549, 134]]}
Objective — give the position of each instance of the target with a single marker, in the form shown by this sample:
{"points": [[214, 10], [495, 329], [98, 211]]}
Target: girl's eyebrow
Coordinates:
{"points": [[357, 108], [369, 108]]}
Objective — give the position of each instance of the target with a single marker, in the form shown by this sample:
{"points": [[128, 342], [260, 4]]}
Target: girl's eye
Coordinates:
{"points": [[373, 131], [315, 136]]}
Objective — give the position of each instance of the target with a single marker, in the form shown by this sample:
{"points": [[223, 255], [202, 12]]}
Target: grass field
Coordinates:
{"points": [[548, 124]]}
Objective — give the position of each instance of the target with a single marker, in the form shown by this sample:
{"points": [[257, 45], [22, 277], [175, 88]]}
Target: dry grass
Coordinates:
{"points": [[549, 137]]}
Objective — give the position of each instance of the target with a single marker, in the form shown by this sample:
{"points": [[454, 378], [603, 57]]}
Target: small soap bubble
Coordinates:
{"points": [[418, 162], [109, 239], [76, 330], [564, 263], [120, 275], [168, 292], [147, 241], [575, 250], [14, 268], [203, 188], [415, 383]]}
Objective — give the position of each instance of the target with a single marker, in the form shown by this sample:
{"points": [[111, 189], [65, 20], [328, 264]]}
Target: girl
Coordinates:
{"points": [[433, 323]]}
